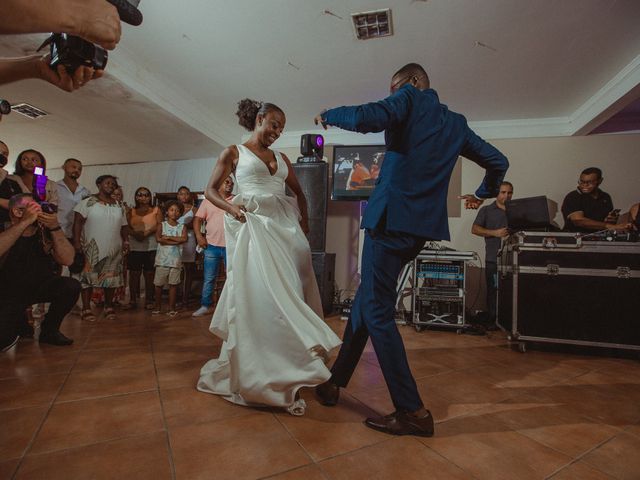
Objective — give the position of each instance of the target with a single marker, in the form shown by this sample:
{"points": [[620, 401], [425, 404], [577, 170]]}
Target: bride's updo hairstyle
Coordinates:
{"points": [[248, 111]]}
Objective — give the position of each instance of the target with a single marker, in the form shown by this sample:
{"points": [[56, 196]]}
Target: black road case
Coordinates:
{"points": [[561, 288]]}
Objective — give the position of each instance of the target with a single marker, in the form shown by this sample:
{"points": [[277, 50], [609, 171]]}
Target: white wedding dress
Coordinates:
{"points": [[269, 314]]}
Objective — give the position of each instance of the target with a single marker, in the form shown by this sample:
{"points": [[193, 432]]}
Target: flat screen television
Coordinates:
{"points": [[355, 170]]}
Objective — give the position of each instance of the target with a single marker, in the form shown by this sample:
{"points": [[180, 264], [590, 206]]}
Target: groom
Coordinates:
{"points": [[407, 208]]}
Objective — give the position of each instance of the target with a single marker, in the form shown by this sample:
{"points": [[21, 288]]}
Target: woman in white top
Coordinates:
{"points": [[100, 232]]}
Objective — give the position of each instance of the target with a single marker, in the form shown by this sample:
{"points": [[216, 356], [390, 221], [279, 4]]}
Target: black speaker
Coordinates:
{"points": [[314, 180], [324, 266]]}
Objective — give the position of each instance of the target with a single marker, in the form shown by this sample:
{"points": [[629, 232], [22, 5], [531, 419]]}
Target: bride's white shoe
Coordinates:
{"points": [[297, 408]]}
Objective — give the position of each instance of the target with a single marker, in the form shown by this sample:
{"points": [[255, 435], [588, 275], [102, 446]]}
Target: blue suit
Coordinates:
{"points": [[408, 207]]}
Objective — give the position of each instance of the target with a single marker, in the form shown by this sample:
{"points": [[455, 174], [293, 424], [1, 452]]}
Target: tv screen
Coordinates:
{"points": [[355, 170]]}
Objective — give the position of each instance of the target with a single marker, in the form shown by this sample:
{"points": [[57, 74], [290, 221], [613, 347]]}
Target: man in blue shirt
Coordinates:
{"points": [[407, 208]]}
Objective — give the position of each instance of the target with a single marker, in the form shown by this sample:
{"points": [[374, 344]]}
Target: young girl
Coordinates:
{"points": [[170, 236]]}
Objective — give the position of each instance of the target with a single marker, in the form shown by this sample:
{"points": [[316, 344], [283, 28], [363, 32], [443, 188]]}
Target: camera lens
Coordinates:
{"points": [[5, 107]]}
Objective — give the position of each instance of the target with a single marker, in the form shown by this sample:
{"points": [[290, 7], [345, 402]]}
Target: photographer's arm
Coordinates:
{"points": [[94, 20]]}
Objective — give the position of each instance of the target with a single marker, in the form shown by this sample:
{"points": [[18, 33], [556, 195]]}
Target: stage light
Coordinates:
{"points": [[311, 147]]}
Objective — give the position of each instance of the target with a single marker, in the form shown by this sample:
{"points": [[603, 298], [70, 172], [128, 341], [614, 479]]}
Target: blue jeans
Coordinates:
{"points": [[212, 257]]}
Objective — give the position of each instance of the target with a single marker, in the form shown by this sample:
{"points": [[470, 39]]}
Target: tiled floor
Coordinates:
{"points": [[121, 403]]}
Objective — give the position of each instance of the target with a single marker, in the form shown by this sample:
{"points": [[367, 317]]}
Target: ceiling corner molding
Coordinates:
{"points": [[524, 128], [175, 101], [606, 101]]}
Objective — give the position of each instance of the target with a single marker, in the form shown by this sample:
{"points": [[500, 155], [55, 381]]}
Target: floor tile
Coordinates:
{"points": [[169, 355], [108, 381], [555, 425], [246, 447], [504, 453], [187, 406], [140, 458], [310, 472], [580, 471], [403, 458], [19, 364], [84, 422], [116, 358], [180, 374], [7, 469], [328, 431], [17, 429], [102, 342], [616, 458], [29, 391]]}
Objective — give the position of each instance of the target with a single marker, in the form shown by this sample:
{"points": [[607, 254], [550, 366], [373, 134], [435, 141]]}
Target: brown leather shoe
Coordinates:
{"points": [[401, 423], [328, 394]]}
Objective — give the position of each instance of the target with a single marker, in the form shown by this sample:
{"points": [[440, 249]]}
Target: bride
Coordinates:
{"points": [[269, 314]]}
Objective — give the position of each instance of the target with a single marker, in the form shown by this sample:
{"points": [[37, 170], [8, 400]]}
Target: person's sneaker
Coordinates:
{"points": [[202, 311]]}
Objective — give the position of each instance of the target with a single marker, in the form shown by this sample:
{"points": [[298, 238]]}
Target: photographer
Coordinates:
{"points": [[27, 275]]}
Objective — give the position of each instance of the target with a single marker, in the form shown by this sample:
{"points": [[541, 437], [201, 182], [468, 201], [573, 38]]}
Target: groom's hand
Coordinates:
{"points": [[318, 120]]}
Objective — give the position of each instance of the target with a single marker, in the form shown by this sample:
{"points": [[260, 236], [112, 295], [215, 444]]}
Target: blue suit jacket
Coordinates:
{"points": [[423, 140]]}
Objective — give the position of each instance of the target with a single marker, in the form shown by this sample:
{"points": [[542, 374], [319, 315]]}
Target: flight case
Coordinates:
{"points": [[562, 288]]}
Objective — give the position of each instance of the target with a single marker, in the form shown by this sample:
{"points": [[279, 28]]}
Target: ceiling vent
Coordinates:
{"points": [[372, 24], [28, 110]]}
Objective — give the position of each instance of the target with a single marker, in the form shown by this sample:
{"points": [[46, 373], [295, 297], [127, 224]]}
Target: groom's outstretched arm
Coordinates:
{"points": [[370, 117]]}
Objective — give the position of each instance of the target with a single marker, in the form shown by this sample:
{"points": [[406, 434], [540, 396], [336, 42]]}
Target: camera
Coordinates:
{"points": [[73, 52]]}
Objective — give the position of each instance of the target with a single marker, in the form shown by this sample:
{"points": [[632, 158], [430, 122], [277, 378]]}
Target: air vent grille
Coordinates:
{"points": [[372, 24], [28, 110]]}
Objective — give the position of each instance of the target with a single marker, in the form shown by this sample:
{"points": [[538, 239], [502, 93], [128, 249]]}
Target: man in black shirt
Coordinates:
{"points": [[589, 209], [28, 249], [491, 223]]}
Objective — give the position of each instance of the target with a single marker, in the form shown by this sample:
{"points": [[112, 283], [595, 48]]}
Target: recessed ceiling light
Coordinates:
{"points": [[374, 24], [28, 110]]}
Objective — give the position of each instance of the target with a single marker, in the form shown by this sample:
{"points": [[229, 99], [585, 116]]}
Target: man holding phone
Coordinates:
{"points": [[589, 209]]}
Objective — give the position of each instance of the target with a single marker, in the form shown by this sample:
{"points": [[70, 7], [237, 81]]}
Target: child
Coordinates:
{"points": [[170, 235]]}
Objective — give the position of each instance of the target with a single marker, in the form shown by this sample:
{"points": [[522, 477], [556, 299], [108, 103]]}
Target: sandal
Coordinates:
{"points": [[156, 312], [109, 313], [150, 306], [172, 313], [88, 315]]}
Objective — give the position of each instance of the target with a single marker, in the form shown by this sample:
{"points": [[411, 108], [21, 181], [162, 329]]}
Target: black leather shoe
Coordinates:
{"points": [[400, 423], [55, 338], [328, 393]]}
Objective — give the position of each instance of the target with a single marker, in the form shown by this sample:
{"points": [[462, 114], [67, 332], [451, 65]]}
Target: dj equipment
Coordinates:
{"points": [[438, 294], [562, 288]]}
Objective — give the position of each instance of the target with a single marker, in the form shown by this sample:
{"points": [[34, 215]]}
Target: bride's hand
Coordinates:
{"points": [[238, 213]]}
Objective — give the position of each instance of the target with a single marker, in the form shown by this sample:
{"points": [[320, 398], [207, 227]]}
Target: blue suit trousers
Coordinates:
{"points": [[372, 315]]}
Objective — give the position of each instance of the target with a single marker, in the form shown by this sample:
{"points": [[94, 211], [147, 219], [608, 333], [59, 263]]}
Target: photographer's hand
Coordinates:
{"points": [[61, 79], [31, 213], [97, 21], [49, 220]]}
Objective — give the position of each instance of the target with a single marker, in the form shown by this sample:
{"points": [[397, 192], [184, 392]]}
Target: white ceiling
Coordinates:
{"points": [[513, 67]]}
